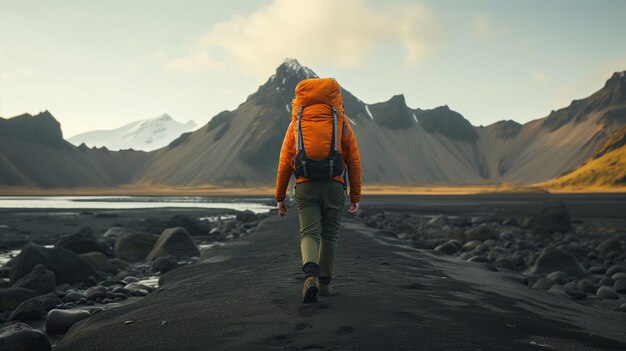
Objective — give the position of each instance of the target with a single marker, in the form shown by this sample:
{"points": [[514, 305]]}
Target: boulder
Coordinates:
{"points": [[21, 337], [558, 260], [610, 246], [620, 286], [543, 284], [39, 279], [193, 224], [552, 216], [28, 310], [10, 298], [67, 266], [615, 269], [85, 241], [246, 216], [98, 261], [175, 242], [134, 247], [60, 321], [606, 292], [449, 247], [482, 232], [164, 264]]}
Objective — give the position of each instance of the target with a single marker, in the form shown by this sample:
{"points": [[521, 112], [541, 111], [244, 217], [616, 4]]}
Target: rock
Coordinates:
{"points": [[482, 232], [118, 263], [164, 264], [558, 260], [471, 245], [60, 321], [559, 277], [620, 286], [98, 261], [115, 232], [606, 292], [21, 337], [10, 298], [587, 286], [479, 259], [606, 281], [525, 223], [552, 216], [174, 242], [39, 279], [618, 276], [543, 284], [511, 222], [621, 308], [477, 220], [439, 220], [137, 286], [27, 311], [610, 246], [572, 292], [246, 216], [597, 269], [73, 296], [461, 222], [85, 241], [193, 224], [67, 266], [614, 269], [96, 292], [134, 247], [450, 247]]}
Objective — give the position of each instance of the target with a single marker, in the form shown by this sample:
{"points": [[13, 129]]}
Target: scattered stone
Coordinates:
{"points": [[134, 247], [559, 277], [558, 260], [98, 261], [85, 241], [73, 296], [543, 283], [10, 298], [477, 220], [174, 242], [610, 246], [479, 259], [96, 292], [552, 216], [193, 224], [164, 264], [27, 311], [246, 216], [118, 263], [511, 222], [621, 308], [449, 248], [606, 281], [620, 286], [597, 269], [439, 220], [614, 269], [482, 233], [21, 337], [618, 276], [39, 279], [60, 321], [606, 292], [587, 286], [457, 233], [471, 245], [138, 286], [67, 266]]}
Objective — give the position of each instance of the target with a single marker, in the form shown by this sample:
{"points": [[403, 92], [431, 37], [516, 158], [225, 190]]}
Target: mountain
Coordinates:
{"points": [[399, 145], [33, 153], [146, 135], [607, 168]]}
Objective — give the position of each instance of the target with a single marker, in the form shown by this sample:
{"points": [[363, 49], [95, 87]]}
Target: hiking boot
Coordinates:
{"points": [[325, 290], [309, 290]]}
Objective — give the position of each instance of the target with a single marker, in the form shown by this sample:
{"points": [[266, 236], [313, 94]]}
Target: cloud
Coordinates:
{"points": [[325, 32]]}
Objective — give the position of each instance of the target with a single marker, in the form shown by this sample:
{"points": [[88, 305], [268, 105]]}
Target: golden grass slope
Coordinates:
{"points": [[607, 169]]}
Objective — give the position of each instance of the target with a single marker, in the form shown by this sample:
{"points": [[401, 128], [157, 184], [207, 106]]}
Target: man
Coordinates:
{"points": [[319, 147]]}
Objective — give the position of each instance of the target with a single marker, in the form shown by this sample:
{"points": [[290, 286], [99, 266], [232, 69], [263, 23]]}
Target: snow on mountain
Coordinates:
{"points": [[147, 135]]}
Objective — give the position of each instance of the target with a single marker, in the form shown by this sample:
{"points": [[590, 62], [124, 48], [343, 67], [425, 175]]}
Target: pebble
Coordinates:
{"points": [[620, 286], [606, 292], [60, 321]]}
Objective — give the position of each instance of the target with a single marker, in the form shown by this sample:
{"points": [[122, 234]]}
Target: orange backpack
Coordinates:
{"points": [[316, 107]]}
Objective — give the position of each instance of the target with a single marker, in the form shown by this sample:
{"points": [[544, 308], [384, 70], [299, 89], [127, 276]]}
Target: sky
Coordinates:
{"points": [[102, 64]]}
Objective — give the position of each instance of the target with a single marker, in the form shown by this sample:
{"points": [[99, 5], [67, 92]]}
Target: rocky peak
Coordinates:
{"points": [[393, 113], [164, 118], [42, 128], [447, 122]]}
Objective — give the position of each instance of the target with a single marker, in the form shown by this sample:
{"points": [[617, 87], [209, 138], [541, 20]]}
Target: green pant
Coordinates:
{"points": [[320, 206]]}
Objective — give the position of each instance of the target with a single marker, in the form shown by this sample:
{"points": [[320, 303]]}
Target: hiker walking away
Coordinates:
{"points": [[319, 148]]}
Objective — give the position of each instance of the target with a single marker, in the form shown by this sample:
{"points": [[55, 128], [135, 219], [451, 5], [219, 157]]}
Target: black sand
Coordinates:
{"points": [[389, 296]]}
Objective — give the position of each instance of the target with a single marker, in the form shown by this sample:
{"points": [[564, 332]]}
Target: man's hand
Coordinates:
{"points": [[282, 208], [353, 208]]}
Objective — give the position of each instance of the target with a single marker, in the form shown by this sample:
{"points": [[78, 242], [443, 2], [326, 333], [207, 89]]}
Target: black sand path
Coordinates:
{"points": [[388, 297]]}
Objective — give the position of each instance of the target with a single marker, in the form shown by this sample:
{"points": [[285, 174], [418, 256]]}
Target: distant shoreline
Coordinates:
{"points": [[144, 190]]}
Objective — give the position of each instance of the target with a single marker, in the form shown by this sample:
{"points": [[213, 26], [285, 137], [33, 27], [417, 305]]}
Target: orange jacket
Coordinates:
{"points": [[316, 134]]}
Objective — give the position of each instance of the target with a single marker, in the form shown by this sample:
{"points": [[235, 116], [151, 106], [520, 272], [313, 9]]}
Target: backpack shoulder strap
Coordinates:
{"points": [[299, 143]]}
